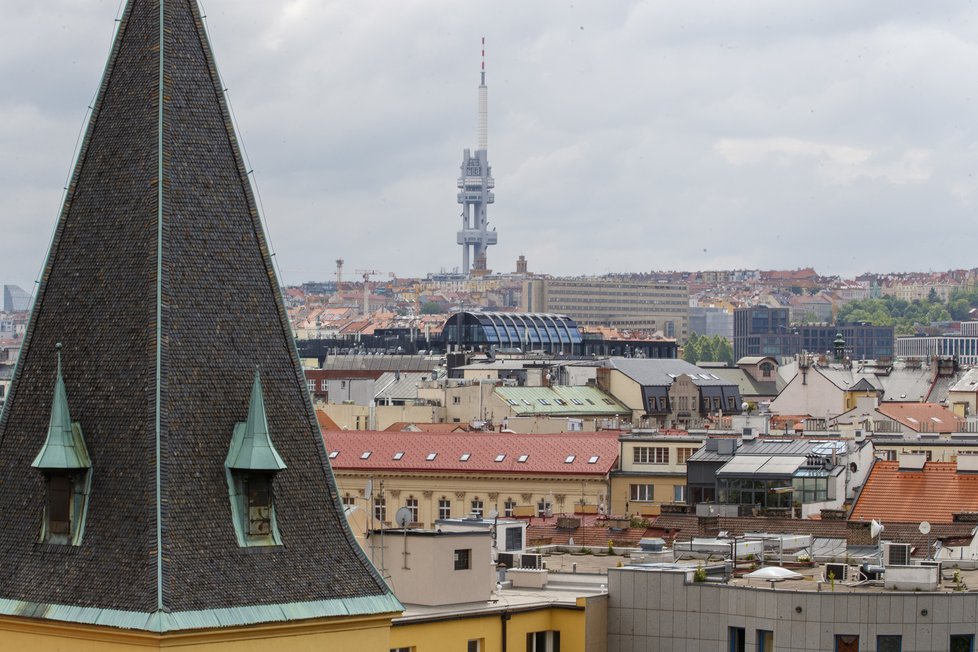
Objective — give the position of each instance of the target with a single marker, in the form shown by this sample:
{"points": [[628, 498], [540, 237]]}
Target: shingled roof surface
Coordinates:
{"points": [[163, 294]]}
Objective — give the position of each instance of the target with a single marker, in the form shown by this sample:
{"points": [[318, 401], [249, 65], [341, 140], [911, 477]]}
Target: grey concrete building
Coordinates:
{"points": [[656, 609], [15, 299], [607, 301]]}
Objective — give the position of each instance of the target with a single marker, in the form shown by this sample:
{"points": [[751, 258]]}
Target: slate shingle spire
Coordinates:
{"points": [[160, 284]]}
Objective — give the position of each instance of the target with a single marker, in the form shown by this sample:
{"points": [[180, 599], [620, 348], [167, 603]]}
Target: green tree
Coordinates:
{"points": [[430, 308], [691, 350], [723, 351]]}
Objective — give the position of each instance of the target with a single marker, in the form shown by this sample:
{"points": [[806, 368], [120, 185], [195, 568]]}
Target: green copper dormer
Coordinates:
{"points": [[64, 449], [66, 466], [251, 446], [251, 465]]}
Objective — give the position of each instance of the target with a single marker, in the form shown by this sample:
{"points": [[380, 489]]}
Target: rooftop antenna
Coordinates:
{"points": [[483, 103]]}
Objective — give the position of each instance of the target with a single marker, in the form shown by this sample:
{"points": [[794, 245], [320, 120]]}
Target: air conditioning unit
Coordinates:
{"points": [[839, 572], [507, 559], [531, 561], [896, 554]]}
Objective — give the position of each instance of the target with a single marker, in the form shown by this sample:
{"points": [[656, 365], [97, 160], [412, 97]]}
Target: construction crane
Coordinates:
{"points": [[366, 274]]}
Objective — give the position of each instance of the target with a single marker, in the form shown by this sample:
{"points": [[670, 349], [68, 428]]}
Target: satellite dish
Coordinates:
{"points": [[875, 528], [924, 527], [403, 516]]}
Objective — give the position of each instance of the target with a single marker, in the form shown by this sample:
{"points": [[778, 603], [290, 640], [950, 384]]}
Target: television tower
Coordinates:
{"points": [[475, 190]]}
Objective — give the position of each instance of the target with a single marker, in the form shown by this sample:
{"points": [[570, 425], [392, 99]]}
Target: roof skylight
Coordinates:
{"points": [[523, 458], [398, 455]]}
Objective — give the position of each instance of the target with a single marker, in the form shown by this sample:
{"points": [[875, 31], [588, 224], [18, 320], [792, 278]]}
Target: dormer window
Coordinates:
{"points": [[251, 465], [63, 460]]}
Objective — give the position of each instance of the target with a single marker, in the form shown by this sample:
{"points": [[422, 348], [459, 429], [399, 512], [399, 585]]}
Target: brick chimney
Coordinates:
{"points": [[833, 514], [707, 526], [857, 533]]}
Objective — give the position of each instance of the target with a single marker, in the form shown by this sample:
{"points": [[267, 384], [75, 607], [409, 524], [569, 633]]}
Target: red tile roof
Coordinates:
{"points": [[325, 423], [933, 494], [922, 417], [545, 454], [593, 532]]}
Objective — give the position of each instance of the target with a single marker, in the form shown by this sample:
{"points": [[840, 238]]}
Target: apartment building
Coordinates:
{"points": [[602, 301]]}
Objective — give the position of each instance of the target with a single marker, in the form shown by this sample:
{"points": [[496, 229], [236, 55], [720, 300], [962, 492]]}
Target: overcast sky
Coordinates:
{"points": [[624, 136]]}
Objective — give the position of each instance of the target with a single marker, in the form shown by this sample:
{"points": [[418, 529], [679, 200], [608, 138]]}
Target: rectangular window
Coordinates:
{"points": [[475, 645], [444, 508], [403, 649], [737, 639], [509, 507], [463, 559], [514, 538], [962, 643], [846, 643], [456, 400], [640, 492], [412, 504], [683, 454], [59, 504], [323, 385], [259, 505], [380, 508], [889, 643], [348, 500], [477, 508], [679, 493], [765, 640], [544, 508], [650, 455], [543, 641], [311, 385]]}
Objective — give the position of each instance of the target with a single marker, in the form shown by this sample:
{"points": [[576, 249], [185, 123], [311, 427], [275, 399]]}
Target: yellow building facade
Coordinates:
{"points": [[360, 633], [581, 627], [652, 472]]}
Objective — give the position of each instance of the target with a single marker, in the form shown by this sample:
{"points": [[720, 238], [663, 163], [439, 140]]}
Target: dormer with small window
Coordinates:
{"points": [[251, 466], [67, 469]]}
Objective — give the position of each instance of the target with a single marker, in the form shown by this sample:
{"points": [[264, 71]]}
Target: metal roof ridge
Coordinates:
{"points": [[162, 621]]}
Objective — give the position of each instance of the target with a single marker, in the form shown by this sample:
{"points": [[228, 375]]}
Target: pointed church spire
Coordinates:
{"points": [[64, 449], [158, 263], [254, 450]]}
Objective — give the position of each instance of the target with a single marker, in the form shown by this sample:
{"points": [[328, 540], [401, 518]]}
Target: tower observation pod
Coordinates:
{"points": [[475, 190]]}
